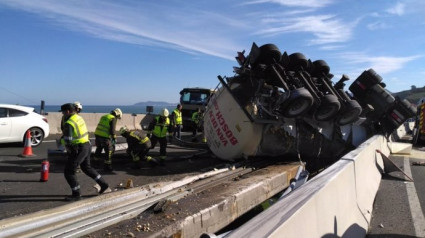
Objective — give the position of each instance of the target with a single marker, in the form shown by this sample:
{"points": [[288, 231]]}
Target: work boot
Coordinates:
{"points": [[107, 168], [76, 196], [104, 188], [152, 161]]}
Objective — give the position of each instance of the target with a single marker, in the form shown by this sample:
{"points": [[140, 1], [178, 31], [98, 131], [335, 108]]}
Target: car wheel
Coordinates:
{"points": [[329, 107], [37, 136], [299, 102], [350, 114]]}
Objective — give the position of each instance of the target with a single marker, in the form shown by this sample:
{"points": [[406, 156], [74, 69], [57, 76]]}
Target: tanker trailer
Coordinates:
{"points": [[285, 105]]}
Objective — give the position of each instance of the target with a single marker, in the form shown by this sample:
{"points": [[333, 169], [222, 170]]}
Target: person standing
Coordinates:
{"points": [[177, 121], [159, 128], [138, 146], [78, 146], [105, 138], [196, 119]]}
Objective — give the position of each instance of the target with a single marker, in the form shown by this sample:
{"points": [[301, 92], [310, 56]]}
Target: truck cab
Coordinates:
{"points": [[191, 99]]}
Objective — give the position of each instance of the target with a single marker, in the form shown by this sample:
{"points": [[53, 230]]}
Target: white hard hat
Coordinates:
{"points": [[164, 112], [117, 112], [123, 130], [78, 105]]}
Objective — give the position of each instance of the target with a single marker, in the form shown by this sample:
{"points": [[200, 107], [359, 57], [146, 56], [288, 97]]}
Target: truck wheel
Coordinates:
{"points": [[297, 61], [364, 82], [350, 114], [298, 103], [328, 108], [269, 54], [320, 67]]}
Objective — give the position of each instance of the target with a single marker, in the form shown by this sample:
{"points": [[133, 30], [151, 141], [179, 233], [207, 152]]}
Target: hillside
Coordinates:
{"points": [[413, 95]]}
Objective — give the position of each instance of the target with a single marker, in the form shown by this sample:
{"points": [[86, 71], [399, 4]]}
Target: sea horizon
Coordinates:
{"points": [[131, 109]]}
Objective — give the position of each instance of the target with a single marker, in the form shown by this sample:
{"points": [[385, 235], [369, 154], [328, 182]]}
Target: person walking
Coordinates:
{"points": [[60, 142], [177, 121], [138, 146], [159, 128], [105, 138], [78, 146]]}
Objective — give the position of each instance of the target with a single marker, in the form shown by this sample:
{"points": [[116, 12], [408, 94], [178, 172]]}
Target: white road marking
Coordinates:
{"points": [[415, 206]]}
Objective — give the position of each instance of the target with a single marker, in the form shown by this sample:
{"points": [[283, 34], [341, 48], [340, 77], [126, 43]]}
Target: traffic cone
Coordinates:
{"points": [[27, 152]]}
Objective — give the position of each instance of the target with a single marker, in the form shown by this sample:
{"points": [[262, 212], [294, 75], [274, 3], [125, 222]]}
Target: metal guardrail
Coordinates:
{"points": [[84, 217]]}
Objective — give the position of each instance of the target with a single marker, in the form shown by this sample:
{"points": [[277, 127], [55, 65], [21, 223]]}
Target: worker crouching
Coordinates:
{"points": [[138, 146]]}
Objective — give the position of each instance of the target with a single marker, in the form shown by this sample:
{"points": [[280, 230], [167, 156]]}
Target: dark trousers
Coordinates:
{"points": [[79, 155], [177, 131], [103, 143], [162, 144], [139, 152]]}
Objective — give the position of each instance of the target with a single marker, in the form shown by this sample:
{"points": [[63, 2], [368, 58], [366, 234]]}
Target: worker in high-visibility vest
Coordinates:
{"points": [[60, 143], [106, 138], [176, 120], [159, 128], [78, 146], [138, 146]]}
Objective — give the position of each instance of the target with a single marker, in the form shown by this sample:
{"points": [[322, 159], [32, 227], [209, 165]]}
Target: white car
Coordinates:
{"points": [[15, 120]]}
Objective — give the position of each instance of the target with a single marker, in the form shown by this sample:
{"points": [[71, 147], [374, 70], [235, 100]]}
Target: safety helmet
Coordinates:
{"points": [[164, 112], [117, 113], [123, 130], [78, 105]]}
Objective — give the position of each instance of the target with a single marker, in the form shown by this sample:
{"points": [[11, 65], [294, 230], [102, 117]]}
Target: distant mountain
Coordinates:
{"points": [[157, 104], [413, 95]]}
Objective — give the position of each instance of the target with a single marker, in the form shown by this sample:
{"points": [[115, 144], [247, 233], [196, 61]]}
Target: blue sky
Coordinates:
{"points": [[121, 52]]}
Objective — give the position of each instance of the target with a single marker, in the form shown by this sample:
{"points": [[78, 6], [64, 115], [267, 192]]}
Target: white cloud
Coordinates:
{"points": [[398, 9], [378, 26], [326, 28], [296, 3], [381, 64]]}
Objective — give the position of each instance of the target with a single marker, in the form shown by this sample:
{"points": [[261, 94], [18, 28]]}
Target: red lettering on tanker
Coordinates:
{"points": [[221, 128]]}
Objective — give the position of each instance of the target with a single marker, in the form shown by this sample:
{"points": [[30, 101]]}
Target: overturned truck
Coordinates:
{"points": [[287, 105]]}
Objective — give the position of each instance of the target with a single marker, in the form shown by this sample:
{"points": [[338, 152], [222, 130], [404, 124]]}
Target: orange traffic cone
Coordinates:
{"points": [[27, 152]]}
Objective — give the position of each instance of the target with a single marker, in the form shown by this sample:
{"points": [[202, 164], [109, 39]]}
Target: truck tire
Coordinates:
{"points": [[269, 54], [320, 67], [350, 114], [364, 82], [297, 61], [299, 102], [328, 108]]}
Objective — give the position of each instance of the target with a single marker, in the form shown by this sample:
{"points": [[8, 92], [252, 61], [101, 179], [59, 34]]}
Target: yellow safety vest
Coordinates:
{"points": [[139, 138], [80, 133], [195, 117], [178, 117], [160, 130], [104, 126]]}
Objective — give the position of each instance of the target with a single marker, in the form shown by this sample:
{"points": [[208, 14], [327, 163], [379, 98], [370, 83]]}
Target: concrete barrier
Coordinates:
{"points": [[91, 119], [336, 203]]}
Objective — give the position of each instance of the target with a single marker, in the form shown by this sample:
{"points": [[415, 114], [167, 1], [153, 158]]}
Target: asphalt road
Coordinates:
{"points": [[21, 191], [399, 204], [398, 208]]}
